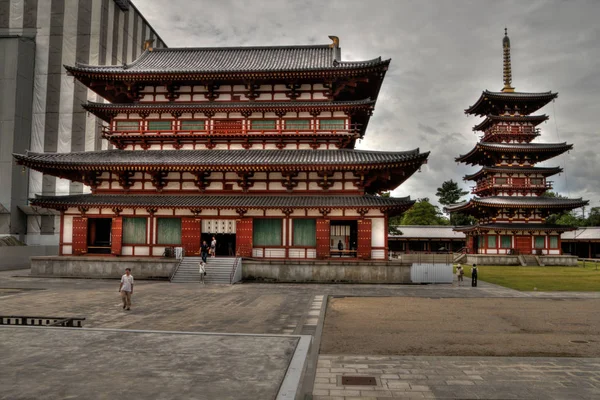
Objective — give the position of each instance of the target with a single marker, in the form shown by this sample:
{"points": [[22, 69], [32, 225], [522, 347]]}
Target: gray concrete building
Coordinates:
{"points": [[40, 106]]}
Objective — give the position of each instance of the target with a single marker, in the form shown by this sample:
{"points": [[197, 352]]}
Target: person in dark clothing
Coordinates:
{"points": [[204, 251], [474, 276], [340, 247]]}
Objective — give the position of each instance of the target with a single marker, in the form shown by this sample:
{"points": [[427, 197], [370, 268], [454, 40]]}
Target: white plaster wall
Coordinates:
{"points": [[378, 233], [68, 229], [67, 249]]}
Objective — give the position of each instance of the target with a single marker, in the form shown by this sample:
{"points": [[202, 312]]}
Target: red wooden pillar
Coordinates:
{"points": [[80, 235], [323, 235], [190, 236], [116, 236], [243, 237], [364, 239]]}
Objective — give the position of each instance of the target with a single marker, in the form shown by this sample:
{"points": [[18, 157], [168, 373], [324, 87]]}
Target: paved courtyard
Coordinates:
{"points": [[299, 309], [51, 363]]}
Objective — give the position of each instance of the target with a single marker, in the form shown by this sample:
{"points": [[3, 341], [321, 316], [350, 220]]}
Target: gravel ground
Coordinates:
{"points": [[466, 327]]}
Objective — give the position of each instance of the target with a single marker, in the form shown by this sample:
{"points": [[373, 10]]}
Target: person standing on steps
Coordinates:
{"points": [[474, 276], [202, 270], [126, 289], [213, 247], [204, 251]]}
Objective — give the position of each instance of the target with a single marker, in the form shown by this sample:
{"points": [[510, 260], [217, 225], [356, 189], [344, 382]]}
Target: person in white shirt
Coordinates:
{"points": [[126, 288], [202, 270]]}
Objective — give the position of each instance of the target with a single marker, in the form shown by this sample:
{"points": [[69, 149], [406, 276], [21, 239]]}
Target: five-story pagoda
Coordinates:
{"points": [[252, 145], [509, 205]]}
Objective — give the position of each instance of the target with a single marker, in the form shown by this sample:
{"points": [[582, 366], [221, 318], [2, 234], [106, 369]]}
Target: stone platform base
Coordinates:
{"points": [[492, 259], [102, 267], [325, 271]]}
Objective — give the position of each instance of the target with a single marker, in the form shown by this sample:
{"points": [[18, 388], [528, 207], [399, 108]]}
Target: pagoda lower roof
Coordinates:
{"points": [[495, 102], [518, 202], [543, 151], [247, 61], [492, 119], [518, 226], [244, 201], [106, 111], [513, 170], [223, 160]]}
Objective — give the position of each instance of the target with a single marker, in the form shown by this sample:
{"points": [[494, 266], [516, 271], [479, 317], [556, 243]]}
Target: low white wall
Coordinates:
{"points": [[17, 257], [102, 267], [323, 271]]}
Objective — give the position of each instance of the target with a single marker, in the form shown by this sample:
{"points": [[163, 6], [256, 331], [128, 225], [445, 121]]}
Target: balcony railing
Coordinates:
{"points": [[354, 129], [507, 186]]}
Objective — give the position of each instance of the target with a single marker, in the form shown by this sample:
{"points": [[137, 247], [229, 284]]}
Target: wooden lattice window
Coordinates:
{"points": [[539, 242], [297, 125], [159, 125], [553, 242], [505, 242], [501, 181], [536, 181], [491, 242], [332, 124], [127, 125], [193, 125], [263, 124]]}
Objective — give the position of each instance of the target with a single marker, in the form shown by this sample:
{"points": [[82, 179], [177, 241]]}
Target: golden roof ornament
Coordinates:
{"points": [[507, 71]]}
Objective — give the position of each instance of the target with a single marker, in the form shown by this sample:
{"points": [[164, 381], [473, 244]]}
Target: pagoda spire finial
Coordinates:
{"points": [[507, 71]]}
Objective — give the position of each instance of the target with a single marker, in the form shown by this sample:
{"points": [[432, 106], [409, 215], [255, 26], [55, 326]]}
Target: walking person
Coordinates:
{"points": [[204, 250], [202, 270], [213, 247], [126, 289], [460, 273], [474, 276]]}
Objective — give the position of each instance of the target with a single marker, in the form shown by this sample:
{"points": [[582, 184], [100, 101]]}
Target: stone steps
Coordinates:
{"points": [[218, 270]]}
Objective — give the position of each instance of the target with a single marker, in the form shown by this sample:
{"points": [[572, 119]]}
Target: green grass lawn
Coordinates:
{"points": [[546, 279]]}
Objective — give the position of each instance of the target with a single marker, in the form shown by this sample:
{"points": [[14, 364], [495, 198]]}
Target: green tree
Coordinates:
{"points": [[449, 193], [424, 213], [568, 218], [593, 218]]}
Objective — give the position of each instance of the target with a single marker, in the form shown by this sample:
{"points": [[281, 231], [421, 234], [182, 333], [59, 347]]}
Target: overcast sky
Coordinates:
{"points": [[444, 53]]}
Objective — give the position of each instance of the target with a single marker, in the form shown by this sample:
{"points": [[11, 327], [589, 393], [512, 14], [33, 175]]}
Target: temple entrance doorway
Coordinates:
{"points": [[523, 244], [99, 235], [346, 232], [223, 231], [225, 243]]}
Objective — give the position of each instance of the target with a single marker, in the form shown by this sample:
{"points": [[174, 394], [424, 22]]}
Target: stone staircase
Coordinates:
{"points": [[529, 260], [218, 270]]}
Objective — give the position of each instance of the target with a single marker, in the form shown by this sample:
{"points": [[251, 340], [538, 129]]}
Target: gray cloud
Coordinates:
{"points": [[443, 55]]}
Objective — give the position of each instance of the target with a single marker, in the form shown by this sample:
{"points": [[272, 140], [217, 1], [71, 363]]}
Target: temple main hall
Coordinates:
{"points": [[254, 146]]}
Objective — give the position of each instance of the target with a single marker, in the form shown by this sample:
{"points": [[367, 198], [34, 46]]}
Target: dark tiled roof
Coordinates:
{"points": [[104, 110], [489, 101], [543, 150], [519, 202], [230, 202], [491, 119], [233, 59], [313, 159], [514, 227], [514, 170]]}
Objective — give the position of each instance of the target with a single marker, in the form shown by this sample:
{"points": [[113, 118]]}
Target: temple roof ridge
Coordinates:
{"points": [[546, 171], [233, 59]]}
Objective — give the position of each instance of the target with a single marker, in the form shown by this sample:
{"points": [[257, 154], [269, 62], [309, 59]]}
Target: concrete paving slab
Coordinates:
{"points": [[58, 363], [498, 377]]}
